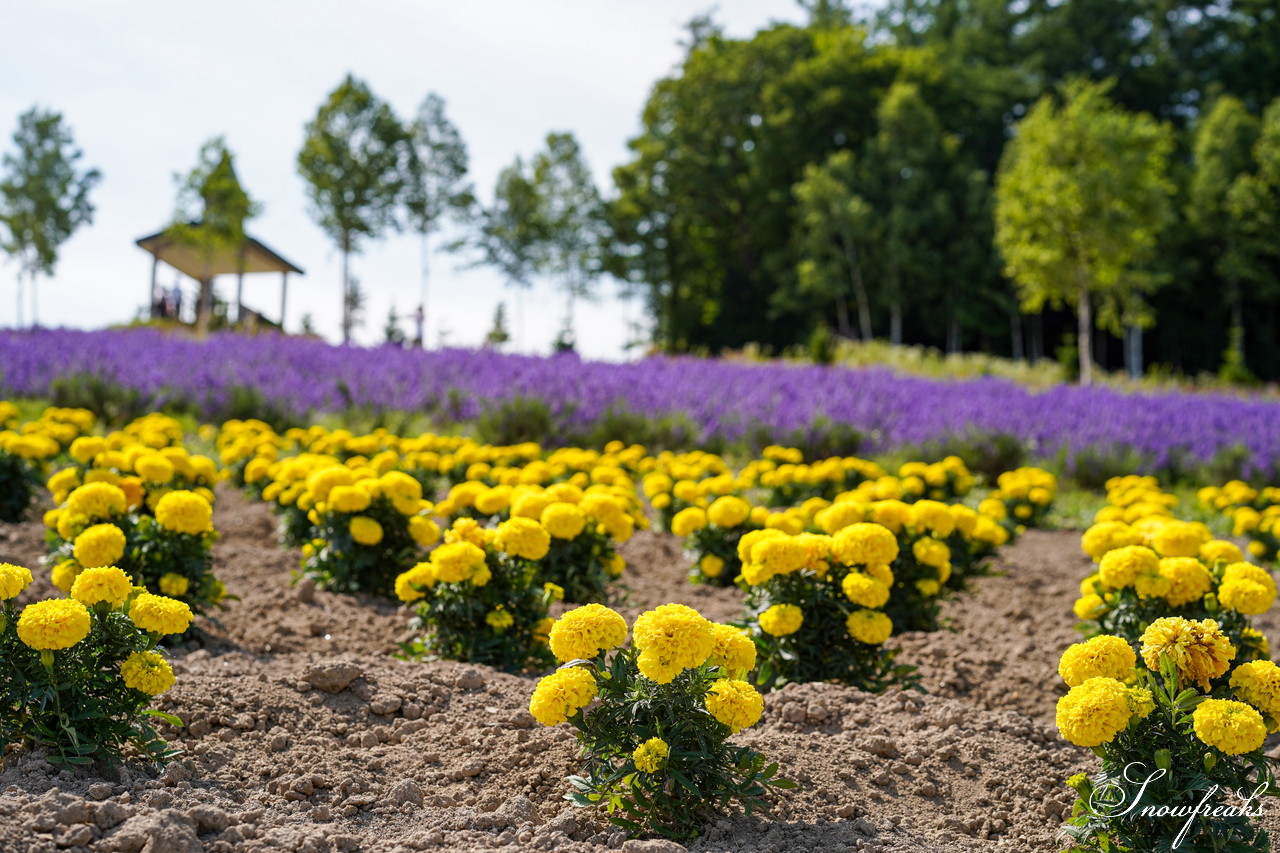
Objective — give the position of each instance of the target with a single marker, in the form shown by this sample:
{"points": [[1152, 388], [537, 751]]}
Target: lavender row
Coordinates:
{"points": [[718, 401]]}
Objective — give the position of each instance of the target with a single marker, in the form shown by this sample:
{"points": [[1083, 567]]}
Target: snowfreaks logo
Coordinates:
{"points": [[1110, 802]]}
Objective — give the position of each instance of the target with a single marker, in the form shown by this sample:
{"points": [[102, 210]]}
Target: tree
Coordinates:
{"points": [[356, 159], [438, 168], [210, 216], [1222, 153], [506, 233], [1081, 196], [1252, 205], [498, 334], [391, 332], [907, 159], [834, 224], [569, 221], [44, 196]]}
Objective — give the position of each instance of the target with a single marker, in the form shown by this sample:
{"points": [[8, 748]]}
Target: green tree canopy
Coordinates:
{"points": [[438, 188], [44, 196], [357, 161], [570, 221], [1081, 197], [211, 212]]}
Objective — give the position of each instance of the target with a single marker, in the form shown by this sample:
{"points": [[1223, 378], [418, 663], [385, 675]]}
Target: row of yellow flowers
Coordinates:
{"points": [[1174, 690]]}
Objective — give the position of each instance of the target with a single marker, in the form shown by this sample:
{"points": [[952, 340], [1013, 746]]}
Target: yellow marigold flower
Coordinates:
{"points": [[670, 639], [1233, 727], [424, 531], [864, 590], [455, 562], [564, 520], [153, 468], [1247, 588], [1180, 539], [493, 501], [1141, 702], [1258, 683], [408, 583], [779, 555], [1105, 656], [99, 545], [1086, 607], [933, 516], [106, 583], [53, 624], [616, 565], [1094, 712], [650, 756], [562, 694], [1120, 567], [499, 619], [1106, 536], [869, 626], [1198, 650], [64, 575], [733, 649], [1245, 596], [728, 511], [928, 586], [993, 508], [1188, 580], [160, 615], [349, 499], [1087, 586], [586, 632], [13, 580], [86, 448], [892, 514], [711, 565], [148, 672], [864, 544], [735, 703], [1260, 640], [781, 620], [840, 515], [556, 591], [752, 538], [1220, 549], [174, 585], [542, 631], [931, 552], [184, 512], [523, 537], [365, 530]]}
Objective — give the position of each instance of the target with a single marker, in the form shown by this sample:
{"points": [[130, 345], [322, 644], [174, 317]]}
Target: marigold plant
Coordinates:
{"points": [[365, 530], [78, 675], [479, 599], [1174, 751], [654, 721], [817, 606]]}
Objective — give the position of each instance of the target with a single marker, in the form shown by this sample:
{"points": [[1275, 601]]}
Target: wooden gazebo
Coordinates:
{"points": [[253, 256]]}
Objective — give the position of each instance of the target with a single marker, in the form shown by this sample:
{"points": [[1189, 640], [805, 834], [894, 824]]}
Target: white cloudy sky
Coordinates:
{"points": [[143, 84]]}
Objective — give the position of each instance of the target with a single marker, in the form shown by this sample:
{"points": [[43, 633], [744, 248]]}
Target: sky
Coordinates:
{"points": [[144, 84]]}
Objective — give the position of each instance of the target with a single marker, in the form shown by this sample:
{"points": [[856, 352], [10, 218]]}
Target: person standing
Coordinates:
{"points": [[419, 322]]}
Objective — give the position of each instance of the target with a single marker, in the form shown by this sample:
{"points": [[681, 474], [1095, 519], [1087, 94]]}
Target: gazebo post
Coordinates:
{"points": [[151, 295], [284, 293]]}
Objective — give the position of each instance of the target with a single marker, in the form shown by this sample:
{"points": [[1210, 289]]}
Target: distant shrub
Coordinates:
{"points": [[988, 454]]}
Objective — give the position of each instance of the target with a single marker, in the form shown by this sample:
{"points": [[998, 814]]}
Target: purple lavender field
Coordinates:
{"points": [[715, 402]]}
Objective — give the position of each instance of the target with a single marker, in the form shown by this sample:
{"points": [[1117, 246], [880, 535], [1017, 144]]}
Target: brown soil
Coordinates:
{"points": [[304, 734]]}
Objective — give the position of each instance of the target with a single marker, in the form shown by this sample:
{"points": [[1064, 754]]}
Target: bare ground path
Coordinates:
{"points": [[305, 734]]}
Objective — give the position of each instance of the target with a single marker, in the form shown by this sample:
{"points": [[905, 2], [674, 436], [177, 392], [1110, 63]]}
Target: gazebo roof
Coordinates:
{"points": [[191, 261]]}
